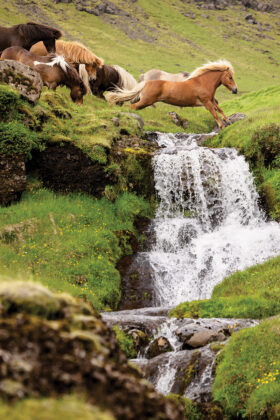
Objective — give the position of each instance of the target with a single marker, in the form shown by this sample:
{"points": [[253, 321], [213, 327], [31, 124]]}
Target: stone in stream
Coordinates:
{"points": [[202, 338], [158, 346]]}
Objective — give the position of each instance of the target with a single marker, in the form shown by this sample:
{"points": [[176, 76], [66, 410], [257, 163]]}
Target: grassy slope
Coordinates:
{"points": [[69, 242], [181, 44]]}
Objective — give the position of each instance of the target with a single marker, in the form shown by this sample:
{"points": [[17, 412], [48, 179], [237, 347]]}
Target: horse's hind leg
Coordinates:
{"points": [[143, 103]]}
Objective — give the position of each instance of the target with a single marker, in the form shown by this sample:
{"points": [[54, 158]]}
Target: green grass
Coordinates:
{"points": [[252, 293], [68, 242], [247, 382]]}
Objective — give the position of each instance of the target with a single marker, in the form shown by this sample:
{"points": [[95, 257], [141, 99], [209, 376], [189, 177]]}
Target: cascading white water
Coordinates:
{"points": [[208, 223]]}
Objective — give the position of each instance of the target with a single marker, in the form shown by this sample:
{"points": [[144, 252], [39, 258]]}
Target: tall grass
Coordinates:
{"points": [[68, 242]]}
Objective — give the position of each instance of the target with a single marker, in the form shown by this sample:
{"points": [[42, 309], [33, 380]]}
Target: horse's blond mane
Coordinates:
{"points": [[219, 65], [77, 53]]}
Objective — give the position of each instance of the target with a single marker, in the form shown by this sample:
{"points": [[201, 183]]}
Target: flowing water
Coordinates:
{"points": [[208, 225]]}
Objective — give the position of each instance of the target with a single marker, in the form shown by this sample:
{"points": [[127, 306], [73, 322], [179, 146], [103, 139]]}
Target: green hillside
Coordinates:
{"points": [[73, 242]]}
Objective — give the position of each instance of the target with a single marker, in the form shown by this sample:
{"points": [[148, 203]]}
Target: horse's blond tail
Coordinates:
{"points": [[127, 80], [84, 76], [123, 95]]}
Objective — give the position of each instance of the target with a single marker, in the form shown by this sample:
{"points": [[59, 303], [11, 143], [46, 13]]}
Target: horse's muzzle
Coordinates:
{"points": [[92, 78], [234, 90]]}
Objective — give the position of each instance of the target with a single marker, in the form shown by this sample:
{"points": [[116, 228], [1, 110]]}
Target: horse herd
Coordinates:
{"points": [[71, 64]]}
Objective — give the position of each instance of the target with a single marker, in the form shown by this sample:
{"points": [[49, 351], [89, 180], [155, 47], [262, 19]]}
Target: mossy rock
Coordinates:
{"points": [[28, 297]]}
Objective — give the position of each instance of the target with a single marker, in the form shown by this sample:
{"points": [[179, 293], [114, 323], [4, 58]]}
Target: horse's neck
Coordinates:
{"points": [[213, 80]]}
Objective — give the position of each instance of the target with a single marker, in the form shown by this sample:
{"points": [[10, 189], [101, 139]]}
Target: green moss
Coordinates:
{"points": [[190, 410], [28, 297], [126, 342]]}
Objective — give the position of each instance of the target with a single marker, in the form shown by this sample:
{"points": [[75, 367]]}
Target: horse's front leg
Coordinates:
{"points": [[225, 118], [212, 108]]}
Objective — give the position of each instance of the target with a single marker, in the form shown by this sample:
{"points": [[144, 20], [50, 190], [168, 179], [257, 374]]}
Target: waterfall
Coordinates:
{"points": [[208, 223]]}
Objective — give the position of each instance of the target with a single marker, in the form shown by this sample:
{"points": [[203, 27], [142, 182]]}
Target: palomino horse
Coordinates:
{"points": [[110, 77], [74, 53], [198, 90], [27, 34], [53, 69], [155, 74]]}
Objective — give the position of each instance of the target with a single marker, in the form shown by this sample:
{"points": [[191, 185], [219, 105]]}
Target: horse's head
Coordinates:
{"points": [[228, 81], [91, 70], [77, 93]]}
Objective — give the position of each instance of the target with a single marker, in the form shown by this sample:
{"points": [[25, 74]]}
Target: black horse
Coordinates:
{"points": [[110, 77], [26, 34]]}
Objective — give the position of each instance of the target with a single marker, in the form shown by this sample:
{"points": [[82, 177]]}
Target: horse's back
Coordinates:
{"points": [[39, 49]]}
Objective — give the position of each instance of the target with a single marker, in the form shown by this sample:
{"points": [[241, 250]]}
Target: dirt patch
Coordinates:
{"points": [[66, 168]]}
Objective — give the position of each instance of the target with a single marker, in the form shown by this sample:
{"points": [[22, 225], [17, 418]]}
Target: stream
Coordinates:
{"points": [[208, 225]]}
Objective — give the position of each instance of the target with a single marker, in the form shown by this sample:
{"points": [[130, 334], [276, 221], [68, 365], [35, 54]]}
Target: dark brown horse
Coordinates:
{"points": [[198, 90], [110, 77], [53, 69], [27, 34]]}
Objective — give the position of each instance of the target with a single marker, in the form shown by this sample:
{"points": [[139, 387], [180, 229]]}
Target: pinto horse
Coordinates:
{"points": [[53, 69], [27, 34], [198, 90], [74, 53], [110, 77], [156, 74]]}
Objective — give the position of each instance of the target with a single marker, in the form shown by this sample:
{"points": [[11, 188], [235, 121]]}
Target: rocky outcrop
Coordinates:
{"points": [[12, 178], [66, 168], [52, 345], [181, 357], [21, 77], [224, 4]]}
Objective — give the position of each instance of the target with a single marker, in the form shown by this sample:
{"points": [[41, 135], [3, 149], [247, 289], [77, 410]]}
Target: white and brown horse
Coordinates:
{"points": [[53, 69], [85, 61]]}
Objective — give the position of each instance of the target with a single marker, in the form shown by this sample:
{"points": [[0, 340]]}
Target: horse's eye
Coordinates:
{"points": [[230, 77]]}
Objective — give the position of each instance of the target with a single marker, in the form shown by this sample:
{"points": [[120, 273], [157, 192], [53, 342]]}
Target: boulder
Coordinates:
{"points": [[21, 77], [51, 345], [202, 338], [158, 346]]}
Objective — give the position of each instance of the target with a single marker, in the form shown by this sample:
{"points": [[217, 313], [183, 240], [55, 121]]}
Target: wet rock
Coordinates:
{"points": [[51, 355], [158, 346], [21, 77], [202, 338], [12, 178], [140, 339]]}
